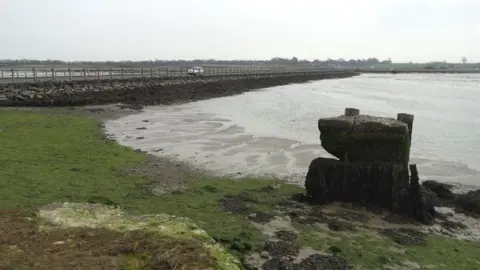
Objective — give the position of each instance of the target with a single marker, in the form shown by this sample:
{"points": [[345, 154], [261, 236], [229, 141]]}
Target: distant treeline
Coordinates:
{"points": [[273, 61], [276, 61]]}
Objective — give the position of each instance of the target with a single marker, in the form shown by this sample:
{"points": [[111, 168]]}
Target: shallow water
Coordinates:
{"points": [[274, 131]]}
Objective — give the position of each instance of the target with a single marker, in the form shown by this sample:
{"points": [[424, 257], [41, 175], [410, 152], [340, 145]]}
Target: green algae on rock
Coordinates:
{"points": [[365, 138], [70, 215]]}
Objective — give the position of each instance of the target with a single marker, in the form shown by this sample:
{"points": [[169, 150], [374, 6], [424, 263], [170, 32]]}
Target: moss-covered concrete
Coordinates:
{"points": [[367, 146], [68, 215], [365, 138]]}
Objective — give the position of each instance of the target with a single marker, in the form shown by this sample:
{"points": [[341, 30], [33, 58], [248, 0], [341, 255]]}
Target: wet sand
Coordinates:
{"points": [[214, 144]]}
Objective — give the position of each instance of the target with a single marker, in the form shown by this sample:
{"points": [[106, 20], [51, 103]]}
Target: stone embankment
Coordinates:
{"points": [[146, 91]]}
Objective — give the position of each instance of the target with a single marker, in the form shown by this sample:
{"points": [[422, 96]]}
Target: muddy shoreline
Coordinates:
{"points": [[169, 175], [288, 225]]}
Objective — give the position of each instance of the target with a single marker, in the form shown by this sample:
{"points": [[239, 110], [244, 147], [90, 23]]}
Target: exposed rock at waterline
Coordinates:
{"points": [[442, 190], [469, 202], [431, 196]]}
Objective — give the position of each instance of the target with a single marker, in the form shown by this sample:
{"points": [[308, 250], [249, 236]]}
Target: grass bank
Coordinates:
{"points": [[48, 158]]}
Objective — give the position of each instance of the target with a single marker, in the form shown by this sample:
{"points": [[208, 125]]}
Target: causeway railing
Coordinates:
{"points": [[64, 74]]}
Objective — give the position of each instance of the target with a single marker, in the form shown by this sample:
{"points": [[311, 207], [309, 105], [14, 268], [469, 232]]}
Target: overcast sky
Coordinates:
{"points": [[405, 30]]}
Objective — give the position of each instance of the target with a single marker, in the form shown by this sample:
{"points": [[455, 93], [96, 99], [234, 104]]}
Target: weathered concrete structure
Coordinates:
{"points": [[372, 165], [365, 138]]}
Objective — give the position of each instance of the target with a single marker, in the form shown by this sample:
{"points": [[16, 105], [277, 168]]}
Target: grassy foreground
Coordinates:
{"points": [[50, 158]]}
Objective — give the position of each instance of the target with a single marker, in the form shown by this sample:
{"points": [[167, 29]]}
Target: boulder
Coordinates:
{"points": [[432, 197], [469, 202], [442, 190], [365, 138], [71, 215], [365, 183]]}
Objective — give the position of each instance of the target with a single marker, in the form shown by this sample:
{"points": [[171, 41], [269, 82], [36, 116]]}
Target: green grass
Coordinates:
{"points": [[46, 158], [50, 158], [370, 250]]}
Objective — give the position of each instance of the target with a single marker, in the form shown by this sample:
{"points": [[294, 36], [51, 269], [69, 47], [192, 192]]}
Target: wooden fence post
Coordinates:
{"points": [[34, 75], [151, 72], [407, 119], [142, 72], [111, 74], [70, 74], [166, 71], [84, 73], [13, 75], [352, 112], [121, 73], [98, 74]]}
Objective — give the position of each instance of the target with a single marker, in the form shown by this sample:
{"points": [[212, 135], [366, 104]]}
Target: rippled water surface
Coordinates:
{"points": [[274, 131]]}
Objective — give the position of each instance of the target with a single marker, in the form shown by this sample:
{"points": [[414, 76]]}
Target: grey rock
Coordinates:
{"points": [[469, 202], [440, 189]]}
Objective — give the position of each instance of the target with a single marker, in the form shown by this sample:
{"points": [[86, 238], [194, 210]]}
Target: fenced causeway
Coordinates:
{"points": [[66, 74]]}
